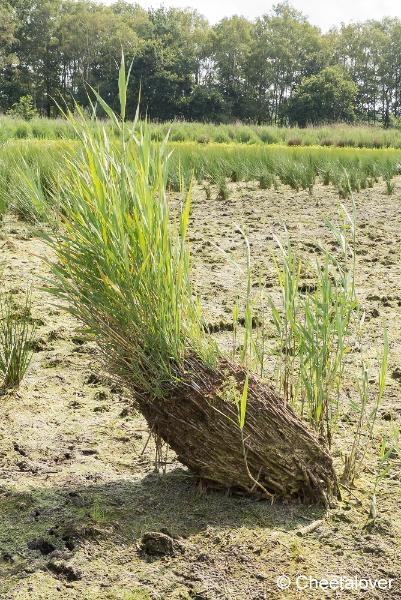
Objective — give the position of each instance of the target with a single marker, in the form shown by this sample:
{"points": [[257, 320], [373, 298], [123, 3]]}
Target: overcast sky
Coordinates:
{"points": [[320, 12]]}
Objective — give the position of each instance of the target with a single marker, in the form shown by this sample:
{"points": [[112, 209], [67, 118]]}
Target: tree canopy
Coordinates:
{"points": [[327, 97], [276, 69]]}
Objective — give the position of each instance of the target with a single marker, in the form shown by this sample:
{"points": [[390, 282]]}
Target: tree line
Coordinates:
{"points": [[278, 69]]}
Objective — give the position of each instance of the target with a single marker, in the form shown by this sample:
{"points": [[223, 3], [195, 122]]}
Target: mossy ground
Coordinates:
{"points": [[78, 487]]}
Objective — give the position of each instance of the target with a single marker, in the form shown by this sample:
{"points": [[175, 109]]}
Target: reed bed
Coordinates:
{"points": [[340, 135], [23, 162], [348, 169]]}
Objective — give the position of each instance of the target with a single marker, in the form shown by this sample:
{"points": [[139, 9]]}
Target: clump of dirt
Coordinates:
{"points": [[78, 491]]}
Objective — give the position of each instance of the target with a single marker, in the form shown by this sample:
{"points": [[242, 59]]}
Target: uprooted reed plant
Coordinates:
{"points": [[123, 267]]}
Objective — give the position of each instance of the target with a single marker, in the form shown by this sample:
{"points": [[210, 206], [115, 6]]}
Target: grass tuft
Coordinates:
{"points": [[16, 334], [122, 267]]}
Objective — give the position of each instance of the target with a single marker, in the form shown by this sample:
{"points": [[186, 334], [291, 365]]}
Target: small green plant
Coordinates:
{"points": [[390, 186], [223, 191], [322, 345], [97, 512], [389, 447], [265, 181], [208, 191], [235, 315], [288, 269], [354, 460], [23, 109], [313, 327], [344, 188], [16, 333]]}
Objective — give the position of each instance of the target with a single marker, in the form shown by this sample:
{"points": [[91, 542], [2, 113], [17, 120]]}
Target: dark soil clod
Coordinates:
{"points": [[156, 543], [64, 571]]}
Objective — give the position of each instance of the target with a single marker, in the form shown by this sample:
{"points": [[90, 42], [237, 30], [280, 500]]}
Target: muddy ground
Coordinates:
{"points": [[77, 483]]}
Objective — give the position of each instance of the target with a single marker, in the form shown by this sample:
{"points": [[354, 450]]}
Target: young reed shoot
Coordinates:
{"points": [[313, 326], [16, 334], [366, 412]]}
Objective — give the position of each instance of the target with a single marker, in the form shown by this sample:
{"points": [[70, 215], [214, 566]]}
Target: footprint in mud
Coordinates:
{"points": [[40, 345], [396, 374], [42, 545]]}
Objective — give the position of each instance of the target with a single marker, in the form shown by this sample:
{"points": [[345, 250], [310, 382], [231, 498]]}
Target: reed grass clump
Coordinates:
{"points": [[313, 326], [16, 334], [29, 175], [29, 199], [390, 186], [265, 181], [123, 270], [223, 191]]}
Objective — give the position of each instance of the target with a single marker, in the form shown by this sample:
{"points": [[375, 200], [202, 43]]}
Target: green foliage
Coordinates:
{"points": [[189, 69], [29, 174], [223, 191], [29, 200], [16, 333], [390, 448], [327, 97], [4, 188], [348, 169], [390, 185], [366, 412], [7, 35], [23, 109], [337, 135], [265, 181], [122, 268], [313, 328]]}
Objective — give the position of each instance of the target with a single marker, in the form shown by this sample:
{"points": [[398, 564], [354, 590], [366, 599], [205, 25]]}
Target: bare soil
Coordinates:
{"points": [[78, 489]]}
